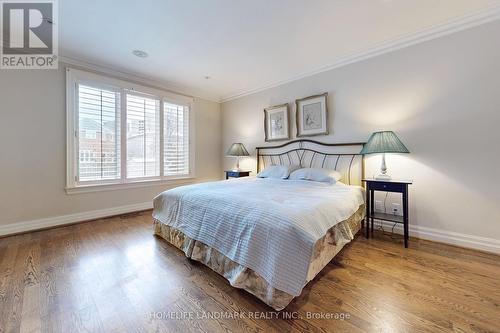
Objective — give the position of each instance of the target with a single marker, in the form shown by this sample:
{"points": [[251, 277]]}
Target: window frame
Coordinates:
{"points": [[74, 77]]}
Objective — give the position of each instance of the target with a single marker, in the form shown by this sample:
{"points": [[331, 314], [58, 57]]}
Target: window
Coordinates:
{"points": [[98, 118], [143, 137], [176, 139], [119, 133], [88, 134]]}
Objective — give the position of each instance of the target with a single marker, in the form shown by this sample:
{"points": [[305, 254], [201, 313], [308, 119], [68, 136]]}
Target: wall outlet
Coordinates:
{"points": [[396, 209], [379, 206]]}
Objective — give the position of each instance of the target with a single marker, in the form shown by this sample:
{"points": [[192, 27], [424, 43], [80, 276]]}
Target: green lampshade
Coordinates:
{"points": [[384, 142], [237, 149]]}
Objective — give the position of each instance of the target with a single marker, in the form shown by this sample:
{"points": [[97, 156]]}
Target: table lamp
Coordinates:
{"points": [[237, 149], [381, 143]]}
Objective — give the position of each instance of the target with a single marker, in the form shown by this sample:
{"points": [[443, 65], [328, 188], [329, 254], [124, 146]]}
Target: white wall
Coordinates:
{"points": [[33, 152], [442, 97]]}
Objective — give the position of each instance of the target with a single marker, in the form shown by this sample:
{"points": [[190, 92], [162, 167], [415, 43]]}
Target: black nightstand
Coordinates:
{"points": [[396, 186], [236, 174]]}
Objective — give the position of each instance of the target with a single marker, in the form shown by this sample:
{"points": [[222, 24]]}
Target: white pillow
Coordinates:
{"points": [[277, 171], [317, 175]]}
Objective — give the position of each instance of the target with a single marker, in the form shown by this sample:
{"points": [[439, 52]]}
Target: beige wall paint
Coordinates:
{"points": [[33, 150], [442, 97]]}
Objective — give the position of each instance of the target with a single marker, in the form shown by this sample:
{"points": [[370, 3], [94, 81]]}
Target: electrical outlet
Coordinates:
{"points": [[379, 206], [396, 209]]}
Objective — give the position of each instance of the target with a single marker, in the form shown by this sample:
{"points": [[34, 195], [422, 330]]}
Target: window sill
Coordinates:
{"points": [[123, 186]]}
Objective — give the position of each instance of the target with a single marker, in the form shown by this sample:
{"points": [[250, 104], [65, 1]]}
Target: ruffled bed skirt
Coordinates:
{"points": [[245, 278]]}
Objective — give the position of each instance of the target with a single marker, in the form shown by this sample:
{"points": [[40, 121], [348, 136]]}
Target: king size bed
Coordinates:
{"points": [[269, 236]]}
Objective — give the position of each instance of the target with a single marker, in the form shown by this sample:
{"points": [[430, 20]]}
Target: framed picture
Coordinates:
{"points": [[312, 115], [276, 124]]}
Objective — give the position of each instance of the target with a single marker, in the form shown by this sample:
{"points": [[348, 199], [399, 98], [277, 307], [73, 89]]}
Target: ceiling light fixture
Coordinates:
{"points": [[140, 54]]}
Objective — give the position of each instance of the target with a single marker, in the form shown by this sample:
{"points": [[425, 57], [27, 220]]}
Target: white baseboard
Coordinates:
{"points": [[448, 237], [32, 225]]}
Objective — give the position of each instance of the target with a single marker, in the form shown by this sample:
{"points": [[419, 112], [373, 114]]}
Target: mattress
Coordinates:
{"points": [[269, 228], [245, 278]]}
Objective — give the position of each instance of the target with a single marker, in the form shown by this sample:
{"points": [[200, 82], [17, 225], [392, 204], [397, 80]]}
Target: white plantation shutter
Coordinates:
{"points": [[98, 156], [176, 139], [143, 136], [120, 133]]}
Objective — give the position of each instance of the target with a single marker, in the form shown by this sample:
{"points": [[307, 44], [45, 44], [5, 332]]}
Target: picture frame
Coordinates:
{"points": [[277, 123], [311, 115]]}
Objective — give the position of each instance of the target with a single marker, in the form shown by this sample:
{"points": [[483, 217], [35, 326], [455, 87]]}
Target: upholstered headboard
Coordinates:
{"points": [[343, 157]]}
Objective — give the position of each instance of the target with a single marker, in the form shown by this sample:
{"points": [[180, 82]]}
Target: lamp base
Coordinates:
{"points": [[383, 177]]}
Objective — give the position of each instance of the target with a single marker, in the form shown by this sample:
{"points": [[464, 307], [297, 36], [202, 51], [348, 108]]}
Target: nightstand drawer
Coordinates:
{"points": [[233, 173], [236, 174], [386, 186]]}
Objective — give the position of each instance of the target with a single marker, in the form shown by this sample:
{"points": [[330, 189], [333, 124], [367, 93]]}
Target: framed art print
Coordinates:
{"points": [[276, 123], [312, 115]]}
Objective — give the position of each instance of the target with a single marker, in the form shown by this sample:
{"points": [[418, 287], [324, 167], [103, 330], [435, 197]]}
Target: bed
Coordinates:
{"points": [[269, 237]]}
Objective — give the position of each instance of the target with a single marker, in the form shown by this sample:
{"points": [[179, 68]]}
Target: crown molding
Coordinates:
{"points": [[133, 77], [137, 78], [489, 14]]}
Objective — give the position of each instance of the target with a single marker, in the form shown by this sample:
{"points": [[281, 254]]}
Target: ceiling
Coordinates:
{"points": [[246, 46]]}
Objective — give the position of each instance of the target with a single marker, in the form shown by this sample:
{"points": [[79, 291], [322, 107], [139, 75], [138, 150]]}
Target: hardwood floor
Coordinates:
{"points": [[113, 275]]}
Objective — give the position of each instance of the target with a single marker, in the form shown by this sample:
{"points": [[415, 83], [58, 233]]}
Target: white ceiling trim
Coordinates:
{"points": [[466, 22], [135, 78]]}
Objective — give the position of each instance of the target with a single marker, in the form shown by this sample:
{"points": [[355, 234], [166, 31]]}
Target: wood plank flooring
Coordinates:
{"points": [[113, 275]]}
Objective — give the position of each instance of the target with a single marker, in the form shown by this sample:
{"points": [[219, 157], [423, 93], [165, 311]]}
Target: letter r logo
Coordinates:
{"points": [[27, 27]]}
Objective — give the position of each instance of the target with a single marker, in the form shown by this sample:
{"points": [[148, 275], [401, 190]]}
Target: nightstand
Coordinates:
{"points": [[236, 174], [395, 186]]}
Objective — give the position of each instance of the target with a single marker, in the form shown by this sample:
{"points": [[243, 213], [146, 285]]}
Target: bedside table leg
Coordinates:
{"points": [[372, 207], [405, 216], [367, 215]]}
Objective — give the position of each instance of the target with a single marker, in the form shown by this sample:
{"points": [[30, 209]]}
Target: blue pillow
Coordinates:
{"points": [[277, 171], [315, 174]]}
